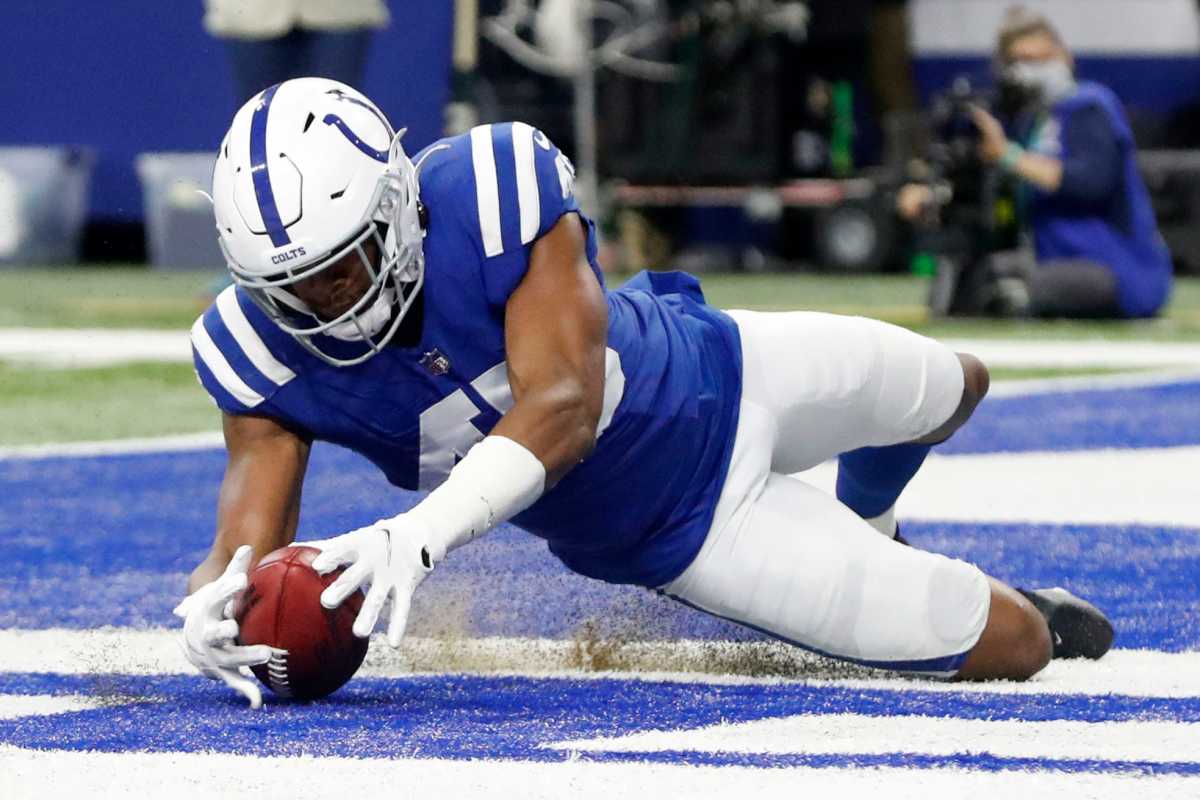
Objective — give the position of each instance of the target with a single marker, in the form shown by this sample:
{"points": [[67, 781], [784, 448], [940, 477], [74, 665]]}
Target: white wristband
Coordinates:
{"points": [[497, 480]]}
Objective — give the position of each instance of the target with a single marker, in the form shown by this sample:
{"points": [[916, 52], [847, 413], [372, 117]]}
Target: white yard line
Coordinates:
{"points": [[109, 447], [20, 705], [1143, 673], [60, 347], [1082, 383], [1076, 353], [26, 775], [1149, 486], [1134, 740], [92, 347]]}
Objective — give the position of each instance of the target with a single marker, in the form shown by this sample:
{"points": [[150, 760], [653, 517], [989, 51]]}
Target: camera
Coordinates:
{"points": [[975, 214]]}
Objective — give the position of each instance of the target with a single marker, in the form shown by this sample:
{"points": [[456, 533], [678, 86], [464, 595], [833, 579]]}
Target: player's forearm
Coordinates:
{"points": [[557, 424], [263, 536], [208, 571], [218, 558], [498, 479]]}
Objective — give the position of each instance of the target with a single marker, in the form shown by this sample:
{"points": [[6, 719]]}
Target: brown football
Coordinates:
{"points": [[281, 607]]}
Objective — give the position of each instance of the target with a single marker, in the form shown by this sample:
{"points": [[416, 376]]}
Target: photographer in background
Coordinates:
{"points": [[1098, 251]]}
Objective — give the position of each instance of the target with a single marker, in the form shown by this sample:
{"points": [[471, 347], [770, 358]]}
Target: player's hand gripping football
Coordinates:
{"points": [[393, 556], [209, 631]]}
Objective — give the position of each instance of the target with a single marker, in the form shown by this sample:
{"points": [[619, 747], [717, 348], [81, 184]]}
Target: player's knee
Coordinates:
{"points": [[976, 382], [1015, 643]]}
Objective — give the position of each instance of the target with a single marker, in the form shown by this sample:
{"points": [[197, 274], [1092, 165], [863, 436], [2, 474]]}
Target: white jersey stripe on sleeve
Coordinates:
{"points": [[249, 340], [527, 185], [219, 367], [487, 191]]}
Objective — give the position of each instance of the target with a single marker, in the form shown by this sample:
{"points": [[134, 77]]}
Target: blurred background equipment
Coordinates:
{"points": [[573, 40], [43, 203], [1173, 178], [179, 215], [757, 96], [143, 76]]}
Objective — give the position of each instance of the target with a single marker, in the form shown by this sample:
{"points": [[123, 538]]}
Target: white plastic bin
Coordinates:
{"points": [[43, 203], [180, 231]]}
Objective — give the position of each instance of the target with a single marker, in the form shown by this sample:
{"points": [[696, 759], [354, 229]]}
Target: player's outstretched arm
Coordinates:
{"points": [[257, 513], [259, 504], [556, 324]]}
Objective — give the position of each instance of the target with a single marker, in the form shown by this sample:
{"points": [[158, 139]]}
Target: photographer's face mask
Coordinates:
{"points": [[1045, 82]]}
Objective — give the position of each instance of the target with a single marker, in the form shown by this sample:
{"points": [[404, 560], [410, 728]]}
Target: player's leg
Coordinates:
{"points": [[792, 561], [870, 479], [878, 395]]}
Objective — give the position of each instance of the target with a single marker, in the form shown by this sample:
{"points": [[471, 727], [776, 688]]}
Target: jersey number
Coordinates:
{"points": [[447, 432]]}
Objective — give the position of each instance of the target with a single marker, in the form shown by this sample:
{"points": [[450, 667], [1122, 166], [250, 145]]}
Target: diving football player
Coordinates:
{"points": [[445, 316]]}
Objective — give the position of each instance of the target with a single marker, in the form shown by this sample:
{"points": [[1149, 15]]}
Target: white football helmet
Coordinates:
{"points": [[308, 172]]}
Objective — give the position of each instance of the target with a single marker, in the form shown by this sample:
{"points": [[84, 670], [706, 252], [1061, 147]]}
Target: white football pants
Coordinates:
{"points": [[790, 560]]}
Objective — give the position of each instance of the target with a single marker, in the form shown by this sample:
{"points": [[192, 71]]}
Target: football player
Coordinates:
{"points": [[446, 317]]}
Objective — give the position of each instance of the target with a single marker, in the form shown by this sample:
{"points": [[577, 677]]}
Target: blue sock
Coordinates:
{"points": [[871, 478]]}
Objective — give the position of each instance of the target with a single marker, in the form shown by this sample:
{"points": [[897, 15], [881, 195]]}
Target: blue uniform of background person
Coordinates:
{"points": [[1095, 236]]}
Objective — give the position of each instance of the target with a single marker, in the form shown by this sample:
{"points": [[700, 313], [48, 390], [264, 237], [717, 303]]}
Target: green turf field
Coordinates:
{"points": [[42, 404], [63, 405], [112, 297]]}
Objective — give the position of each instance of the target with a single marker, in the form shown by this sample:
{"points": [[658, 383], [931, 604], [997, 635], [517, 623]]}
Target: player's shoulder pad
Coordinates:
{"points": [[505, 182], [235, 355]]}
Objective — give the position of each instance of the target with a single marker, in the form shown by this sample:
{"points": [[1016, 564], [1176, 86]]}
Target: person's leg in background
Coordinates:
{"points": [[1074, 289], [338, 55], [259, 63]]}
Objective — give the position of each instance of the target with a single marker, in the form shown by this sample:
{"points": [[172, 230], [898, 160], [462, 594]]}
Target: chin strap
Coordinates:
{"points": [[366, 324]]}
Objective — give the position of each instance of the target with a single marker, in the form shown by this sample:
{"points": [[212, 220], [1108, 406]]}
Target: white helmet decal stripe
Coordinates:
{"points": [[249, 340], [527, 185], [487, 191], [226, 376], [261, 174]]}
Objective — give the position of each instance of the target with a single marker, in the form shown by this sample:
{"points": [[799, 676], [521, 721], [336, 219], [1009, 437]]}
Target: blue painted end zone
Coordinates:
{"points": [[471, 717], [1151, 416], [109, 541]]}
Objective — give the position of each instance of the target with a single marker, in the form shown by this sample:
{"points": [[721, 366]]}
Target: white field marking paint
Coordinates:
{"points": [[1139, 673], [1150, 486], [858, 733], [1083, 383], [1079, 353], [1155, 28], [28, 774], [156, 444], [59, 347], [18, 705], [92, 347]]}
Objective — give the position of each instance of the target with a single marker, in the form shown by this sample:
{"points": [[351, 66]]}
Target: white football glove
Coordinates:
{"points": [[393, 556], [209, 631]]}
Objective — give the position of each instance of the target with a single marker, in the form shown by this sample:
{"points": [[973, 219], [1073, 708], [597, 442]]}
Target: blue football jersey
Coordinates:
{"points": [[638, 508]]}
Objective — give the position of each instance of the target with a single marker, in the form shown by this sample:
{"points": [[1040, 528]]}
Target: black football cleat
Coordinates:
{"points": [[1078, 628]]}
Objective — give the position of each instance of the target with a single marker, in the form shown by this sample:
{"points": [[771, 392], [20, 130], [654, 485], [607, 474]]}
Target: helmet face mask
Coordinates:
{"points": [[375, 201]]}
